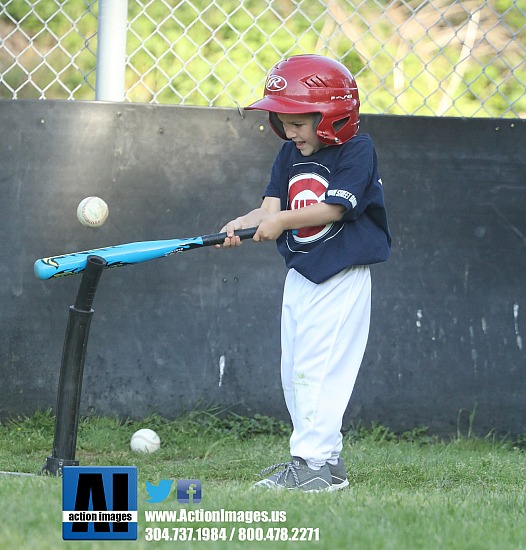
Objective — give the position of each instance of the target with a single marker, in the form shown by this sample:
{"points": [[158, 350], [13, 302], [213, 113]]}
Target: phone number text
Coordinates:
{"points": [[292, 534]]}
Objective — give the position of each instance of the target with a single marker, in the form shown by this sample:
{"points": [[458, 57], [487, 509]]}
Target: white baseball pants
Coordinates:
{"points": [[324, 331]]}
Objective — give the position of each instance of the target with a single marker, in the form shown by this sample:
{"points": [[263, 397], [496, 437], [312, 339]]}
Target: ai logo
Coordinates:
{"points": [[99, 503]]}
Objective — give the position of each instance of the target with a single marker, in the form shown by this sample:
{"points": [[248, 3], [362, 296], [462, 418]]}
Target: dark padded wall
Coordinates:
{"points": [[202, 327], [450, 305], [160, 329]]}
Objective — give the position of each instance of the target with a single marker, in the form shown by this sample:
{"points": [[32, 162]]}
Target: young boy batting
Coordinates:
{"points": [[324, 205]]}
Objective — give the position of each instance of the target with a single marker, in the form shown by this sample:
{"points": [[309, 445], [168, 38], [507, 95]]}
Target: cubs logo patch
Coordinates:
{"points": [[304, 190]]}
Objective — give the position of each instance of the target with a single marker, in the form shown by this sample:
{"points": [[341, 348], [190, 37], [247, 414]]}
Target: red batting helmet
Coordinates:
{"points": [[313, 84]]}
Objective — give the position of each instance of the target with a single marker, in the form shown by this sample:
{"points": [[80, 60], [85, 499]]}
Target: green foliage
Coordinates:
{"points": [[53, 46], [218, 53], [231, 425], [379, 434]]}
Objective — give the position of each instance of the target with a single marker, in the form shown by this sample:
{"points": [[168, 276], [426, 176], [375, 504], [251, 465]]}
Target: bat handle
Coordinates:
{"points": [[218, 238], [247, 233]]}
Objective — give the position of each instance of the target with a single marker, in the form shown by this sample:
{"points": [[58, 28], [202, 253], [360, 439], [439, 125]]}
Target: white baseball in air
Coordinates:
{"points": [[92, 212], [145, 441]]}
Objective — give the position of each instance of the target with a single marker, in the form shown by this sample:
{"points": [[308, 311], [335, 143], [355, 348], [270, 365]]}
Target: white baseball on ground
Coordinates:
{"points": [[92, 212], [145, 441]]}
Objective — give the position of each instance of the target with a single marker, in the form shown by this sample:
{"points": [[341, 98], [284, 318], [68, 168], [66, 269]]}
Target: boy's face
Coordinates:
{"points": [[300, 129]]}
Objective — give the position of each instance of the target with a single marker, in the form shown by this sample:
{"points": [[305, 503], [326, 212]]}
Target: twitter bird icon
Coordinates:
{"points": [[158, 493]]}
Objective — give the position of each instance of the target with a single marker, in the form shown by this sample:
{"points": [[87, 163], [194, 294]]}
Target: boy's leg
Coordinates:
{"points": [[324, 334], [292, 290]]}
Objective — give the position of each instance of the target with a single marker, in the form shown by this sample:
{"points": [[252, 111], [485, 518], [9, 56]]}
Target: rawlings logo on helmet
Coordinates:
{"points": [[275, 83]]}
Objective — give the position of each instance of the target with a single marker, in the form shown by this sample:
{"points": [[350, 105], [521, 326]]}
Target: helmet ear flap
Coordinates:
{"points": [[316, 121], [339, 124], [337, 130], [277, 125]]}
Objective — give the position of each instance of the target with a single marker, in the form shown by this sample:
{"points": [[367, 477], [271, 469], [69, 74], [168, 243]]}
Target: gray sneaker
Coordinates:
{"points": [[296, 475], [339, 475]]}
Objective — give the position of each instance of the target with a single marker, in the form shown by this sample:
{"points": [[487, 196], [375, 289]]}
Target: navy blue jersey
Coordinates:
{"points": [[346, 174]]}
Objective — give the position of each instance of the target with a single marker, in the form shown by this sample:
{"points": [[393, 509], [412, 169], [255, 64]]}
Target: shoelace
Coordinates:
{"points": [[288, 467]]}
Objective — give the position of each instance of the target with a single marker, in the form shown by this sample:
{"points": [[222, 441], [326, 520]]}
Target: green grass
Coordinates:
{"points": [[406, 492]]}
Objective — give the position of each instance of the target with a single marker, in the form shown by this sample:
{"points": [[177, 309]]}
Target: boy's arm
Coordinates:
{"points": [[322, 213], [269, 207], [272, 221]]}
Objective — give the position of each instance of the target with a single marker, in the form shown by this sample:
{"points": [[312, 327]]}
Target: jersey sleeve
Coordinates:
{"points": [[355, 173], [275, 185]]}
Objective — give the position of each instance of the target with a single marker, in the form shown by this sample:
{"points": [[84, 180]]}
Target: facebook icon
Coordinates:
{"points": [[188, 491]]}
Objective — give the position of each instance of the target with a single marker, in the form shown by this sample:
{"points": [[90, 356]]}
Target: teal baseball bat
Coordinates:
{"points": [[127, 254]]}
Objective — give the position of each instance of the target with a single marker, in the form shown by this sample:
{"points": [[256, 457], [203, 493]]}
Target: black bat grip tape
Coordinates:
{"points": [[88, 285], [218, 238], [246, 233]]}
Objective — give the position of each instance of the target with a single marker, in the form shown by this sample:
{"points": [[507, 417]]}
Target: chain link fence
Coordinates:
{"points": [[410, 57]]}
